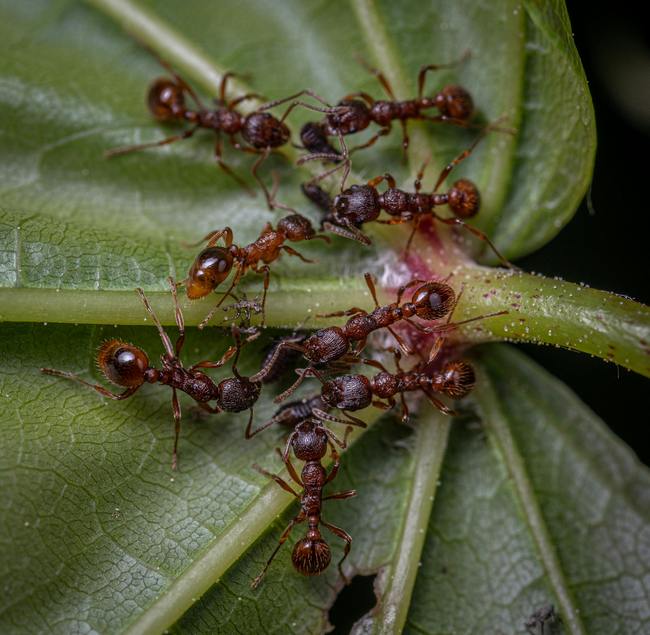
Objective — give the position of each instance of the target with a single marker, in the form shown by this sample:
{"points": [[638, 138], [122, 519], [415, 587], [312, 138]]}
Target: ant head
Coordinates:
{"points": [[348, 392], [454, 102], [165, 98], [358, 204], [310, 442], [326, 345], [237, 393], [464, 199], [122, 364], [433, 300], [296, 227], [210, 268], [456, 379], [349, 116], [263, 130], [311, 554]]}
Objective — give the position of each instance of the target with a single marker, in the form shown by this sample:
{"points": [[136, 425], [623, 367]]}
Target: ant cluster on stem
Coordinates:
{"points": [[329, 352]]}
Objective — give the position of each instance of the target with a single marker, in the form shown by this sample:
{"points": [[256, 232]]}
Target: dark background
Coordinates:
{"points": [[606, 247]]}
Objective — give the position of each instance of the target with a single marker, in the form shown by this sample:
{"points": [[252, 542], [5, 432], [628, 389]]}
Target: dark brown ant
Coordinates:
{"points": [[213, 265], [455, 379], [311, 555], [126, 365], [314, 139], [261, 131], [430, 301], [361, 204], [355, 112]]}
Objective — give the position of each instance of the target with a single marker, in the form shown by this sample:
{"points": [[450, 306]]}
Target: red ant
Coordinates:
{"points": [[355, 392], [430, 301], [126, 365], [361, 204], [213, 265], [261, 131], [311, 555], [355, 112]]}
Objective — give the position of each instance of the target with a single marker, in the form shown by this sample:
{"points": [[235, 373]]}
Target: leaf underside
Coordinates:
{"points": [[98, 534]]}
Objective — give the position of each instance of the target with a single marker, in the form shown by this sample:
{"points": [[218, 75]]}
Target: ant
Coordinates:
{"points": [[127, 365], [286, 359], [310, 440], [213, 265], [355, 112], [361, 204], [260, 130], [455, 379], [430, 301]]}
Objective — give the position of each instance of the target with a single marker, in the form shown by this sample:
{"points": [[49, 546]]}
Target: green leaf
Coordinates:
{"points": [[99, 534]]}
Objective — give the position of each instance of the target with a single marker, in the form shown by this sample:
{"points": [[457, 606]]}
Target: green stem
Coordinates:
{"points": [[431, 444], [550, 311]]}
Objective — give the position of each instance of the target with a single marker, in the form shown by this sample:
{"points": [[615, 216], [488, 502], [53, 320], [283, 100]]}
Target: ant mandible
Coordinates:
{"points": [[127, 365], [361, 204], [213, 265], [431, 300], [355, 112], [311, 555], [260, 130]]}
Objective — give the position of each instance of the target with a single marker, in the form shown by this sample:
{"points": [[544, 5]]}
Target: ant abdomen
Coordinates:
{"points": [[296, 228], [311, 555], [359, 204], [237, 394], [210, 269], [122, 364], [433, 300], [455, 102], [347, 392], [326, 345], [263, 130], [165, 100], [317, 195], [456, 379], [464, 199]]}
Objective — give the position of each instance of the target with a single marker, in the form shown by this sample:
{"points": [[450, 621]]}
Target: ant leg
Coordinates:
{"points": [[382, 405], [371, 142], [398, 338], [178, 314], [100, 389], [381, 78], [261, 374], [284, 100], [360, 95], [167, 344], [213, 238], [337, 531], [218, 364], [274, 477], [405, 408], [336, 463], [438, 404], [370, 283], [355, 310], [478, 233], [278, 418], [292, 252], [434, 67], [350, 232], [390, 180], [333, 438], [248, 96], [285, 534], [270, 196], [460, 158], [114, 152], [325, 416], [213, 310], [405, 137], [310, 371], [176, 409], [266, 272], [218, 152], [374, 363], [348, 493], [222, 86], [416, 226]]}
